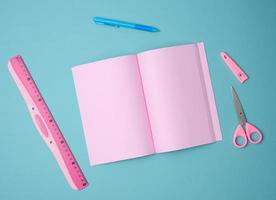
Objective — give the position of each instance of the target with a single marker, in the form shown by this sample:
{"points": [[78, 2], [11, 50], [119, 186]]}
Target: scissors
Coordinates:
{"points": [[245, 131]]}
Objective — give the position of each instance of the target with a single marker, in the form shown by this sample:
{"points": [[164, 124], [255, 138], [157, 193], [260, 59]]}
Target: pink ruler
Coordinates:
{"points": [[46, 124]]}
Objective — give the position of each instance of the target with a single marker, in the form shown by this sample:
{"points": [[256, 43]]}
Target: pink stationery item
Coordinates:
{"points": [[245, 131], [46, 124], [236, 70], [156, 101]]}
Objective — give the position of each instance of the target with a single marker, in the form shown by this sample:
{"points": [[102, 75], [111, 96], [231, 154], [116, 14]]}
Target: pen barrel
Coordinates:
{"points": [[145, 28], [118, 23]]}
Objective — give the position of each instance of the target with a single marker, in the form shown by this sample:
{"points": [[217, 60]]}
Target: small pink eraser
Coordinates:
{"points": [[234, 67]]}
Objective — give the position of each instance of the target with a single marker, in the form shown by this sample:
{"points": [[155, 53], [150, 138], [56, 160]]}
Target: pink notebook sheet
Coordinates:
{"points": [[156, 101]]}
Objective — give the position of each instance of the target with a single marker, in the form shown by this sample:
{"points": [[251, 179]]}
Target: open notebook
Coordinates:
{"points": [[156, 101]]}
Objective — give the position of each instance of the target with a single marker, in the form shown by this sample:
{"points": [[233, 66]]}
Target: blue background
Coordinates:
{"points": [[53, 36]]}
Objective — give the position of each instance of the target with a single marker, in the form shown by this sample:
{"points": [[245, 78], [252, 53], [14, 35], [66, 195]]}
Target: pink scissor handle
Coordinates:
{"points": [[240, 133], [250, 130]]}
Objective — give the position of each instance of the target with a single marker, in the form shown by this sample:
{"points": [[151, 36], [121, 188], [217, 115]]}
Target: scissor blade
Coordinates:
{"points": [[238, 107]]}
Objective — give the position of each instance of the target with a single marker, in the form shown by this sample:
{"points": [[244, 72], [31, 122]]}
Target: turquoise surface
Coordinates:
{"points": [[53, 36]]}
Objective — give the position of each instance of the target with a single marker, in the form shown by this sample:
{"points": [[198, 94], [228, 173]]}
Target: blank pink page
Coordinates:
{"points": [[179, 97], [113, 110]]}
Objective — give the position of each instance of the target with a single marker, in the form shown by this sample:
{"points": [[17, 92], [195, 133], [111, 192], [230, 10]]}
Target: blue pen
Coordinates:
{"points": [[117, 23]]}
